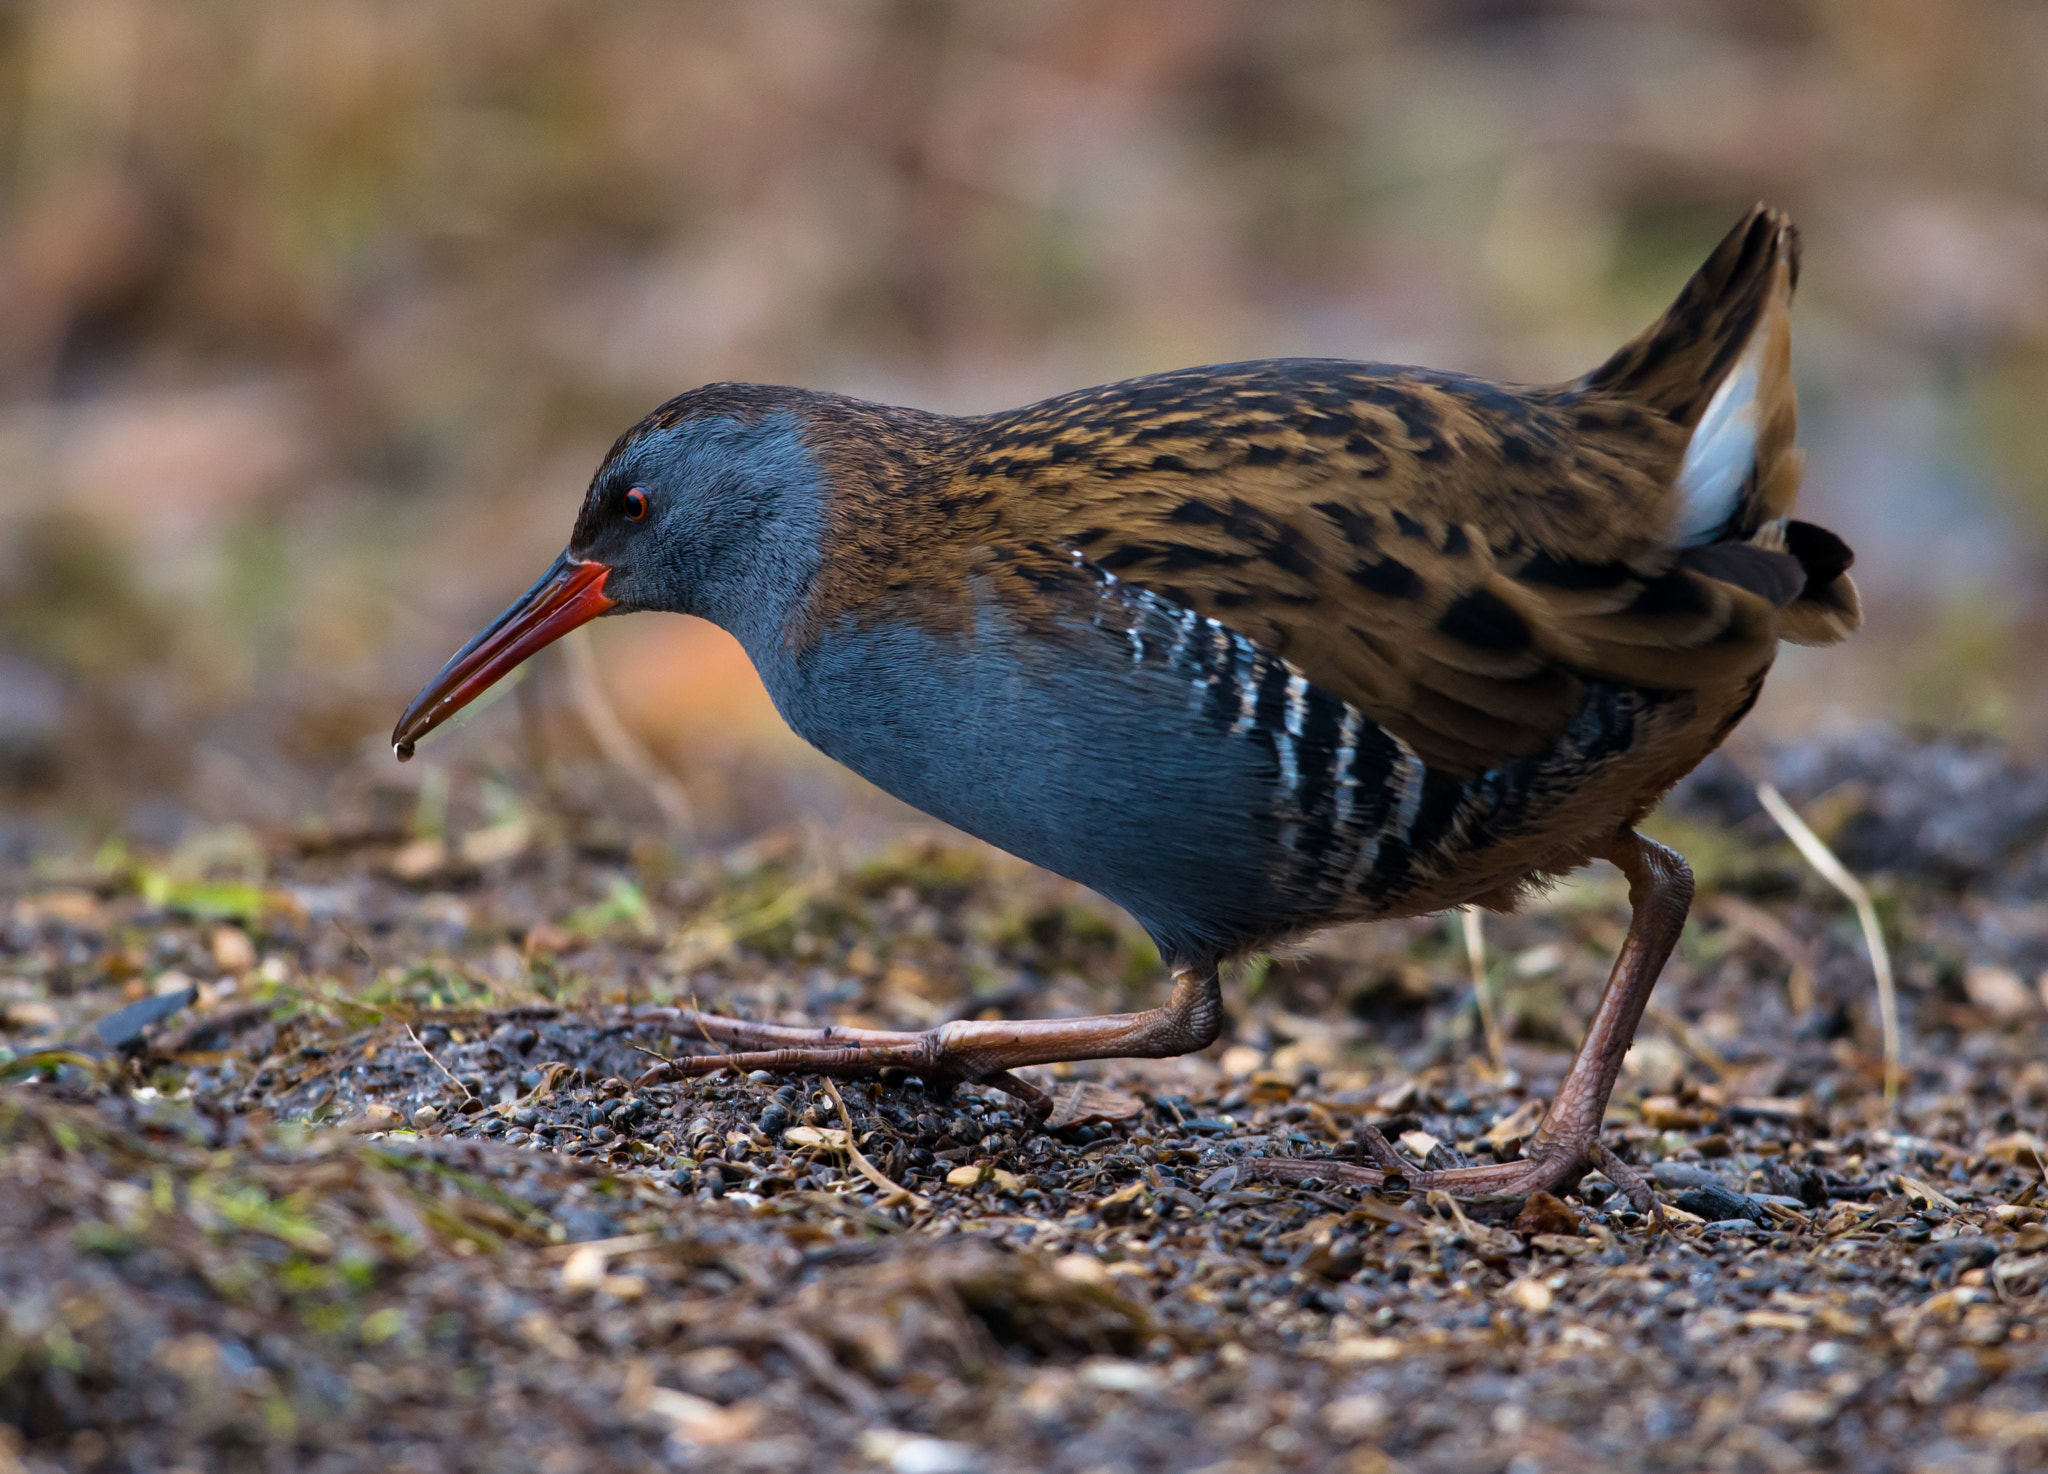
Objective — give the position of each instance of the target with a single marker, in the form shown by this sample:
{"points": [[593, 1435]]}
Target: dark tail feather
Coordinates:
{"points": [[1676, 364], [1827, 608]]}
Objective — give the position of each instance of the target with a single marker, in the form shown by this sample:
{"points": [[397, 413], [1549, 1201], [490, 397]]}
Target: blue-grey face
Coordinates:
{"points": [[716, 516]]}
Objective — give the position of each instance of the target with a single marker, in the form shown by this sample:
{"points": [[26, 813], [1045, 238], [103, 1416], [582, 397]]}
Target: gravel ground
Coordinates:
{"points": [[326, 1151]]}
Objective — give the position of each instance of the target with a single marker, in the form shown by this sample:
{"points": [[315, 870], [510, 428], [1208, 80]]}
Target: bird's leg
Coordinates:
{"points": [[978, 1050], [1567, 1143]]}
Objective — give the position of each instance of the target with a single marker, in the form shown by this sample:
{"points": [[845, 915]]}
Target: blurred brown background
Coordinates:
{"points": [[315, 317]]}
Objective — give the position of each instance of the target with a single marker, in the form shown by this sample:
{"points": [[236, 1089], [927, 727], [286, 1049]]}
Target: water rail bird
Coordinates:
{"points": [[1249, 649]]}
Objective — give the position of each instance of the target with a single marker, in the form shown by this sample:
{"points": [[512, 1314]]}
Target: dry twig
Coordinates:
{"points": [[866, 1168], [437, 1064]]}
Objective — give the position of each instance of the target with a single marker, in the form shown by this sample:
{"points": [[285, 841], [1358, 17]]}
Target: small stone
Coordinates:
{"points": [[963, 1177], [1367, 1349], [378, 1116], [1667, 1113], [1999, 992], [233, 952], [424, 1117], [1716, 1203], [418, 859], [1527, 1294], [905, 1453], [1420, 1144], [1114, 1374], [1544, 1213], [28, 1016], [1356, 1417], [1081, 1269], [2019, 1149]]}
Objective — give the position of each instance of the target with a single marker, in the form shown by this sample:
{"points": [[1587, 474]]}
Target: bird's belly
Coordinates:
{"points": [[1066, 753]]}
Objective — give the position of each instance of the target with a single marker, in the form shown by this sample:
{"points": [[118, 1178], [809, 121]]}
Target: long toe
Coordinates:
{"points": [[1557, 1170], [979, 1050]]}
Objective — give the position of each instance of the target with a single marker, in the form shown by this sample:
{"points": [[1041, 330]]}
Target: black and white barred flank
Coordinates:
{"points": [[1359, 816]]}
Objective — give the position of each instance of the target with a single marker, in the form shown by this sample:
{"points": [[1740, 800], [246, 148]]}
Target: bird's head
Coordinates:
{"points": [[713, 505]]}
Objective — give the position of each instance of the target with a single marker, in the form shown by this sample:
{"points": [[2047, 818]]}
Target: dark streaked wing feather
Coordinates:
{"points": [[1452, 557]]}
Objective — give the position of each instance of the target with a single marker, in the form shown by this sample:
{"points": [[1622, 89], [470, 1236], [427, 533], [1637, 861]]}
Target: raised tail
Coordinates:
{"points": [[1719, 363]]}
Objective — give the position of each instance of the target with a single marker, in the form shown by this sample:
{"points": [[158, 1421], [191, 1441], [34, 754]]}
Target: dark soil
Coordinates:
{"points": [[378, 1189]]}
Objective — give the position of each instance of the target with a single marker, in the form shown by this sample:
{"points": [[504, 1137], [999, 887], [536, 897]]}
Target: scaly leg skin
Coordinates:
{"points": [[1567, 1143], [967, 1050]]}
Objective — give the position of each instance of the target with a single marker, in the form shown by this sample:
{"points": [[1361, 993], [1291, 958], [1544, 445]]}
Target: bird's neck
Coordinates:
{"points": [[874, 507]]}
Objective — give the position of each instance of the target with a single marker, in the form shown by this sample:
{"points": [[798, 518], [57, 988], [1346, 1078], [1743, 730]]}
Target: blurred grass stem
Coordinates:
{"points": [[620, 747], [1482, 987], [1836, 874]]}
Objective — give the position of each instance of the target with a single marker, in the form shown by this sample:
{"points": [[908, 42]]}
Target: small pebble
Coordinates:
{"points": [[425, 1116], [379, 1117], [1716, 1203], [934, 1456]]}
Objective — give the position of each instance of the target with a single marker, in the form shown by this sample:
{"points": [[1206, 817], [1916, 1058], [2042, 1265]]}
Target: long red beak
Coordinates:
{"points": [[568, 594]]}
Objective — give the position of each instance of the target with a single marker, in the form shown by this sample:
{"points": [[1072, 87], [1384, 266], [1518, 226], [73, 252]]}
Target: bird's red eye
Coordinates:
{"points": [[636, 504]]}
